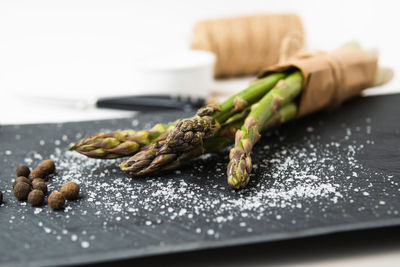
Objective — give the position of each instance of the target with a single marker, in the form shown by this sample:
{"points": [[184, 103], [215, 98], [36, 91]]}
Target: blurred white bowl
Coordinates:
{"points": [[184, 73]]}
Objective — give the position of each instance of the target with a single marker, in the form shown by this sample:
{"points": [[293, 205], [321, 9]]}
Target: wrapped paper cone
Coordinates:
{"points": [[330, 78]]}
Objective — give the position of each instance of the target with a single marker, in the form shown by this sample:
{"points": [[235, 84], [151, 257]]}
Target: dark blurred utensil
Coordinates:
{"points": [[151, 103]]}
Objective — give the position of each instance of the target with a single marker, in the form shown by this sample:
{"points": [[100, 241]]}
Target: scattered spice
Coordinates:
{"points": [[23, 170], [70, 190], [47, 167], [21, 179], [38, 172], [36, 197], [40, 186], [21, 190], [56, 201], [38, 180]]}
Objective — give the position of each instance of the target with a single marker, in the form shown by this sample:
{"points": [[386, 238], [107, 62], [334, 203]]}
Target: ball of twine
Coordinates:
{"points": [[245, 45]]}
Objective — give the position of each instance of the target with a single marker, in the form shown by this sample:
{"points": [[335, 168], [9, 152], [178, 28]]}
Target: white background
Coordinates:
{"points": [[79, 49], [83, 49]]}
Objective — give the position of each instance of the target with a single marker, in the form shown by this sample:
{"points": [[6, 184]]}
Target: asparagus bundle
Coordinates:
{"points": [[147, 161], [306, 84], [185, 134], [186, 139]]}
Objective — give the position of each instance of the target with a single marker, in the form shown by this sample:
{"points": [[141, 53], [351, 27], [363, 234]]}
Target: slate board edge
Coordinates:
{"points": [[198, 246]]}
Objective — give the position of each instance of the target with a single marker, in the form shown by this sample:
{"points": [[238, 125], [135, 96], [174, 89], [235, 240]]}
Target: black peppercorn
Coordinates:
{"points": [[56, 201], [36, 197], [21, 190], [23, 170], [1, 198]]}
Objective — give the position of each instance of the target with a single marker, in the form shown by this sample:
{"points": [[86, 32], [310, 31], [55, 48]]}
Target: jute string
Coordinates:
{"points": [[245, 45]]}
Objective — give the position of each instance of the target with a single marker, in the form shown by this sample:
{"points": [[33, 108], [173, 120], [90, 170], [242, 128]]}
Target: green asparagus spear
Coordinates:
{"points": [[119, 143], [239, 167]]}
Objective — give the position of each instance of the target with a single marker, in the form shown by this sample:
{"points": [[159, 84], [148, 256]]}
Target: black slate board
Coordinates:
{"points": [[326, 173]]}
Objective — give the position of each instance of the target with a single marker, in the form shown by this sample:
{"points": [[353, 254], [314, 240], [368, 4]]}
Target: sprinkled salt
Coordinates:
{"points": [[37, 210], [135, 122], [210, 231], [74, 238], [85, 244]]}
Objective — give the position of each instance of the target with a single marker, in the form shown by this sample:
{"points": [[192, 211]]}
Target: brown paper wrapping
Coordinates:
{"points": [[330, 78], [245, 45]]}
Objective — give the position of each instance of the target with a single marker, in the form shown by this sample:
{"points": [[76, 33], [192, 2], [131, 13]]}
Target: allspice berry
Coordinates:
{"points": [[45, 168], [38, 180], [38, 172], [21, 190], [21, 179], [36, 197], [40, 186], [23, 170], [49, 166], [56, 201], [70, 190]]}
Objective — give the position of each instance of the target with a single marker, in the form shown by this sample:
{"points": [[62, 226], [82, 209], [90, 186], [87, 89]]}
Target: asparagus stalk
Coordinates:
{"points": [[146, 162], [119, 143], [239, 167]]}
